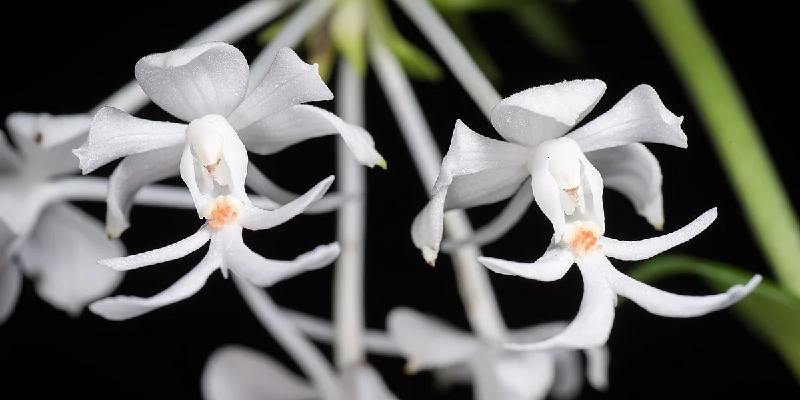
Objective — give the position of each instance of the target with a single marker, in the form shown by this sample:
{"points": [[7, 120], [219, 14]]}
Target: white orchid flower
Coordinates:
{"points": [[566, 185], [214, 167], [239, 373], [583, 244], [41, 235], [206, 81], [459, 357]]}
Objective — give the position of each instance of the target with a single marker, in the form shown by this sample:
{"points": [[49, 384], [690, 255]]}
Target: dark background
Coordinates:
{"points": [[66, 57]]}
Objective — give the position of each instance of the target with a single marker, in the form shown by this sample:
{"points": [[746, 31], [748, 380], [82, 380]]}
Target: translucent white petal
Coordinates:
{"points": [[116, 134], [133, 173], [549, 267], [476, 170], [264, 272], [189, 83], [633, 171], [238, 373], [362, 382], [591, 180], [302, 122], [289, 81], [234, 156], [256, 219], [171, 252], [47, 130], [61, 256], [525, 376], [125, 307], [668, 304], [592, 324], [639, 117], [569, 375], [429, 342], [597, 359], [545, 112], [644, 249], [10, 276]]}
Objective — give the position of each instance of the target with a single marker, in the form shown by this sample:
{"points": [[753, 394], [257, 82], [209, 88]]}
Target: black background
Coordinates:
{"points": [[66, 57]]}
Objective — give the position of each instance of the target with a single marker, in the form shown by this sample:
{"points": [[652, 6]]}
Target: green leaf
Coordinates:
{"points": [[770, 311], [546, 27], [347, 28], [267, 34], [462, 27], [475, 5]]}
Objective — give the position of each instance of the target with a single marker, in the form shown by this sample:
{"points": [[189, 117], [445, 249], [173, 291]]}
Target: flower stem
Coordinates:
{"points": [[714, 92], [349, 281], [318, 329]]}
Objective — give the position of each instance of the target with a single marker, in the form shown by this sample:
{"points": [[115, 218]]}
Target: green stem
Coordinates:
{"points": [[713, 90]]}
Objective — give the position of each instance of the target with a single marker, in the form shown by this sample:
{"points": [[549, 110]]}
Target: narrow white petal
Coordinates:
{"points": [[273, 193], [171, 252], [234, 156], [61, 255], [257, 219], [10, 275], [9, 159], [362, 382], [302, 122], [591, 179], [549, 267], [537, 332], [545, 112], [633, 171], [429, 342], [44, 144], [198, 184], [569, 375], [289, 81], [547, 194], [644, 249], [116, 134], [264, 272], [639, 117], [125, 307], [597, 359], [592, 325], [668, 304], [133, 173], [524, 376], [189, 83], [238, 373]]}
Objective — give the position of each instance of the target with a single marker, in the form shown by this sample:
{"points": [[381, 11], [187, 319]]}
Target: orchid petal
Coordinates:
{"points": [[50, 158], [238, 373], [234, 156], [524, 376], [644, 249], [272, 192], [547, 195], [639, 117], [125, 307], [429, 342], [116, 134], [171, 252], [264, 272], [537, 332], [668, 304], [597, 359], [9, 159], [257, 219], [10, 276], [568, 380], [302, 122], [198, 188], [189, 83], [289, 81], [545, 112], [549, 267], [133, 173], [633, 171], [591, 179], [361, 382], [476, 170], [61, 255], [592, 324]]}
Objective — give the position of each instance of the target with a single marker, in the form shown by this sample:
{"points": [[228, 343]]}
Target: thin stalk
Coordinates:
{"points": [[452, 52], [305, 354], [473, 282], [716, 96], [348, 301], [321, 330]]}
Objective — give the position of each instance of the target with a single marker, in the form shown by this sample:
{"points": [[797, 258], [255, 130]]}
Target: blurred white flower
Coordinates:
{"points": [[211, 80], [239, 373], [459, 357], [478, 170]]}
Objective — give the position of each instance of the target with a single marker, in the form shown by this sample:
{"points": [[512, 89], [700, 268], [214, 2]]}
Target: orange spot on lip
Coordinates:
{"points": [[223, 214], [583, 241]]}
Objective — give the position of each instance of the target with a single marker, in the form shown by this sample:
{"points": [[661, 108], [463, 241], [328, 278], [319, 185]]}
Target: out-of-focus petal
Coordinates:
{"points": [[289, 81], [427, 341], [302, 122], [254, 218], [116, 134], [633, 171], [545, 112], [10, 276], [597, 359], [644, 249], [362, 382], [524, 376], [189, 83], [549, 267], [132, 174], [639, 117], [238, 373], [61, 256], [47, 130], [264, 272], [9, 159], [569, 375], [171, 252]]}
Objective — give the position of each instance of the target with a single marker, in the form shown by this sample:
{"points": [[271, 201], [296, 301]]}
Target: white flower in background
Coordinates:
{"points": [[213, 166], [41, 235], [583, 244], [210, 81], [478, 170], [459, 357], [239, 373]]}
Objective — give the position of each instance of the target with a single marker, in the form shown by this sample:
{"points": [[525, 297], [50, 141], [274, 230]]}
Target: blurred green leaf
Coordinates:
{"points": [[347, 28], [770, 311], [475, 5], [546, 27], [267, 34], [462, 26]]}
